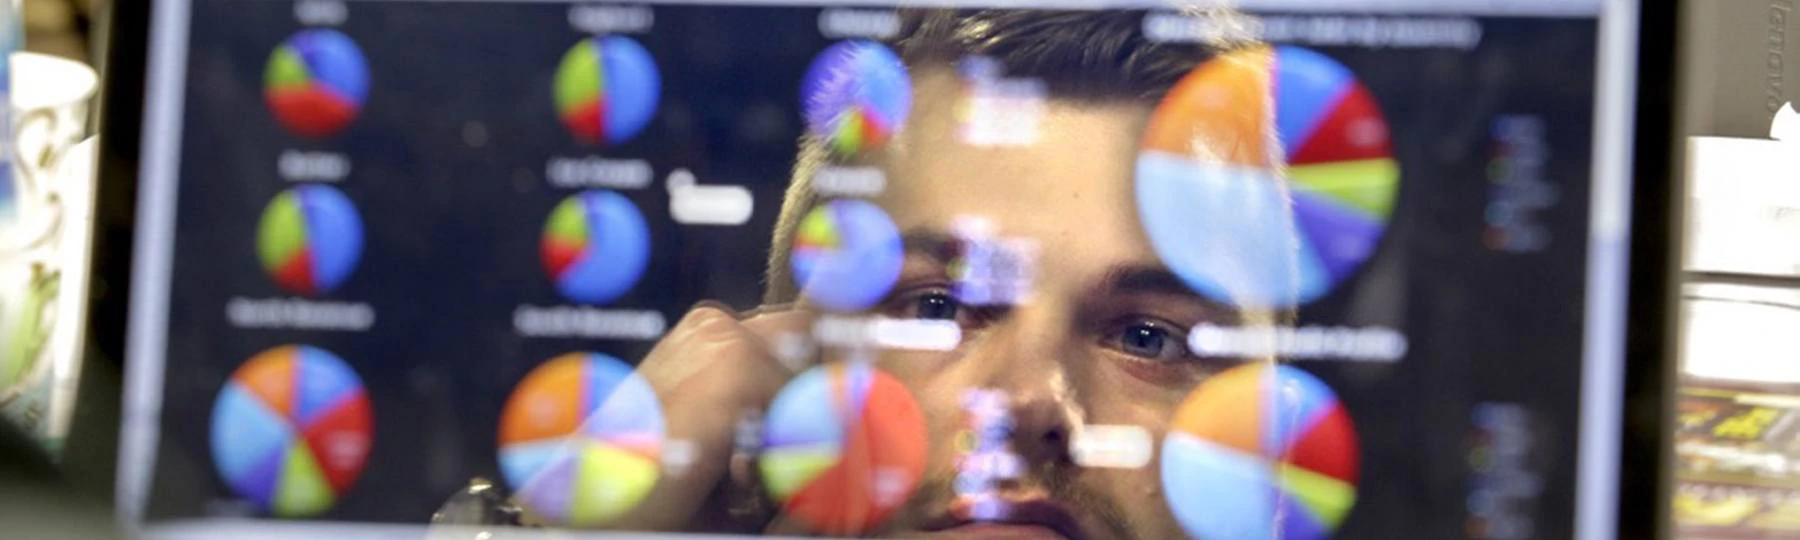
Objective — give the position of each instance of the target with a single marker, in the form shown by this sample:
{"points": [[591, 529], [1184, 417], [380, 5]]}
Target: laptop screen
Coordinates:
{"points": [[1084, 269]]}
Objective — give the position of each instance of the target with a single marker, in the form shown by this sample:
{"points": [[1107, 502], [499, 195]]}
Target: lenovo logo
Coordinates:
{"points": [[1776, 61]]}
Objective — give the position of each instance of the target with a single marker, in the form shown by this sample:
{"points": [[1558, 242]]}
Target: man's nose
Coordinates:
{"points": [[1029, 360]]}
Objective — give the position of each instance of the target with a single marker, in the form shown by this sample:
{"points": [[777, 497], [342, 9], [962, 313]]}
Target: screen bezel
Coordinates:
{"points": [[1646, 448], [1642, 446]]}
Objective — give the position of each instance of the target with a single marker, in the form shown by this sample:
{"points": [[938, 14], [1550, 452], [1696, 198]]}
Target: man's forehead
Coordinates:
{"points": [[1074, 174], [943, 101]]}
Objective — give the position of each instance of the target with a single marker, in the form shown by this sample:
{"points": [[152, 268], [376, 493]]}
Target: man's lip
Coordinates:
{"points": [[1022, 515]]}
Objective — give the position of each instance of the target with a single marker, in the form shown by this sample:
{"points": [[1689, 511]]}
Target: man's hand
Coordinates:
{"points": [[709, 370]]}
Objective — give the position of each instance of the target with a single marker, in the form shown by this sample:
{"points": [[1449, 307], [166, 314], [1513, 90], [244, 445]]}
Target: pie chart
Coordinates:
{"points": [[310, 239], [580, 439], [844, 446], [856, 95], [847, 255], [291, 430], [1213, 186], [316, 82], [1260, 451], [595, 247], [607, 89]]}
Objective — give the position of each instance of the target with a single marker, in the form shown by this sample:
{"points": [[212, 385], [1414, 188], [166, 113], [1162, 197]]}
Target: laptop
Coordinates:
{"points": [[1078, 269]]}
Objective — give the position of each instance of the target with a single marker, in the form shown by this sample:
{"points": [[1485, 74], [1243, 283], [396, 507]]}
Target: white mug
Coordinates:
{"points": [[50, 99]]}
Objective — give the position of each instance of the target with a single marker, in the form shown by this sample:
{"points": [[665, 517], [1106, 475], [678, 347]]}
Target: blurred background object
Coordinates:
{"points": [[37, 500], [1737, 422], [44, 233], [1742, 61], [60, 27], [65, 37]]}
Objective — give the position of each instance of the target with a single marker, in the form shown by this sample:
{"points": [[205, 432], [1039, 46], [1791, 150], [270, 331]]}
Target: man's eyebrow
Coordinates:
{"points": [[1146, 279], [1151, 279], [939, 245]]}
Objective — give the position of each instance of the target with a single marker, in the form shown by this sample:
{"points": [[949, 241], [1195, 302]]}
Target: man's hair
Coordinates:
{"points": [[1081, 56]]}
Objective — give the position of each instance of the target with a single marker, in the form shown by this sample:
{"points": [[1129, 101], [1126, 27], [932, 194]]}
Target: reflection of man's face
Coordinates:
{"points": [[1100, 340]]}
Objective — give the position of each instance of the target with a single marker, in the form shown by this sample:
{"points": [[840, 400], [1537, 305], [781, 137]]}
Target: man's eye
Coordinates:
{"points": [[1152, 340], [936, 306], [933, 304], [928, 303]]}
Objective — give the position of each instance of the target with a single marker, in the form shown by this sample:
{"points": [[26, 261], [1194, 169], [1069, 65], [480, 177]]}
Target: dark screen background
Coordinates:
{"points": [[452, 234]]}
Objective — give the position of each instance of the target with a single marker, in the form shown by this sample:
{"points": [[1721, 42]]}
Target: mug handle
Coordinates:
{"points": [[39, 209]]}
